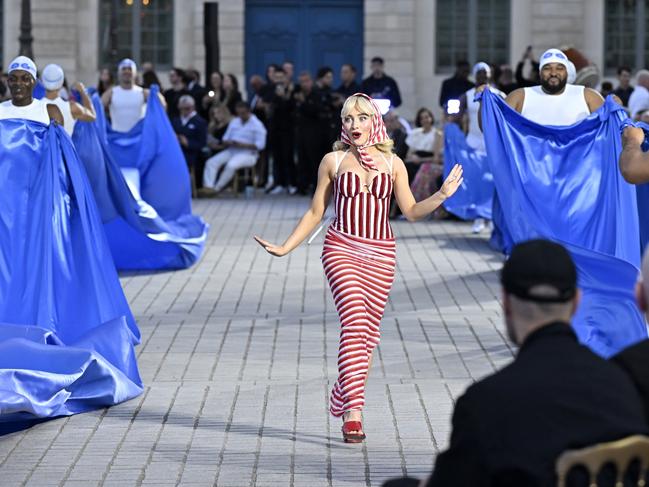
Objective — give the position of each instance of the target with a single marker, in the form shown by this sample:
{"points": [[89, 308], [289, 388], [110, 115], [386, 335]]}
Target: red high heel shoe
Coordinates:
{"points": [[351, 432]]}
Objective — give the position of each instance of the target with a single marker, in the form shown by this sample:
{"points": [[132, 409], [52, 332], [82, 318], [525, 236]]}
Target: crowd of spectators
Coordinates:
{"points": [[299, 113]]}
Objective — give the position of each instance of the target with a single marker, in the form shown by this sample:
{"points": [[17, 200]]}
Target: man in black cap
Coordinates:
{"points": [[509, 428]]}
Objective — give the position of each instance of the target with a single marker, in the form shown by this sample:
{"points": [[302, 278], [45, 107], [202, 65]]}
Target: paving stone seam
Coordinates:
{"points": [[260, 435], [163, 423], [82, 449], [226, 436], [40, 459], [132, 421], [197, 418]]}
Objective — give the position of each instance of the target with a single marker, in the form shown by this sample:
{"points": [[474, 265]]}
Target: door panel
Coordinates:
{"points": [[311, 33]]}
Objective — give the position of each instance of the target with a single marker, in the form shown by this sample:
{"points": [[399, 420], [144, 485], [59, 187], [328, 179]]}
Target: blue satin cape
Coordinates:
{"points": [[159, 231], [474, 199], [66, 331], [563, 183]]}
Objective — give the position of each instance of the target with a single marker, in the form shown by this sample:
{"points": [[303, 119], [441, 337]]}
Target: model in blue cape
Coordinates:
{"points": [[563, 183], [66, 331], [474, 198], [150, 227]]}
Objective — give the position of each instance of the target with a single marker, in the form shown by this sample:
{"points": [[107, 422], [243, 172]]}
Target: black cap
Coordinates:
{"points": [[540, 262]]}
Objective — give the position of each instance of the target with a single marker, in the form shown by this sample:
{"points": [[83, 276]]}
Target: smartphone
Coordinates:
{"points": [[453, 106]]}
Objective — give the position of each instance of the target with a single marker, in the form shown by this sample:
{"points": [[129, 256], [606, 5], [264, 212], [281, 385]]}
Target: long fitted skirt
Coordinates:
{"points": [[360, 272]]}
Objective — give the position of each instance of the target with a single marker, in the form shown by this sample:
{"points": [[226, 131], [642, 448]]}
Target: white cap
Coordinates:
{"points": [[553, 56], [52, 77], [127, 63], [481, 66], [572, 73], [23, 63]]}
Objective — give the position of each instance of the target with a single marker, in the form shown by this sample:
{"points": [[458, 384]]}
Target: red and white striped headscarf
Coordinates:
{"points": [[378, 135]]}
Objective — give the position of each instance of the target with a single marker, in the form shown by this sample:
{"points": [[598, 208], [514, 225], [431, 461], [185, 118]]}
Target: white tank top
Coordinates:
{"points": [[64, 106], [36, 111], [565, 109], [127, 107], [475, 137]]}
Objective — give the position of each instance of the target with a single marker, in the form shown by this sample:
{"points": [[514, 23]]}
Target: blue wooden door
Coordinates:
{"points": [[311, 33]]}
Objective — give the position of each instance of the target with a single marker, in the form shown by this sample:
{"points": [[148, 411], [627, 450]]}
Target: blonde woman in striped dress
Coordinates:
{"points": [[359, 253]]}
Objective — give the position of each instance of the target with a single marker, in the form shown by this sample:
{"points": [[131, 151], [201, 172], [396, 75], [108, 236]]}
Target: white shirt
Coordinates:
{"points": [[565, 109], [250, 132], [68, 120], [639, 100], [418, 140], [127, 107], [475, 137], [186, 119], [36, 111]]}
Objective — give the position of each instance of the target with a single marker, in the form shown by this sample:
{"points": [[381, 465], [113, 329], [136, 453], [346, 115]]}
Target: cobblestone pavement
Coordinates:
{"points": [[238, 354]]}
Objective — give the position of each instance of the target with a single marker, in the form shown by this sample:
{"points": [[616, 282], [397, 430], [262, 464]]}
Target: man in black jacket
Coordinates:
{"points": [[456, 85], [509, 428], [191, 130], [380, 85], [635, 359]]}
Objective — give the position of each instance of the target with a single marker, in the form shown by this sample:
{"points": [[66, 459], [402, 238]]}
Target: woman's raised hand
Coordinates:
{"points": [[452, 181], [277, 251]]}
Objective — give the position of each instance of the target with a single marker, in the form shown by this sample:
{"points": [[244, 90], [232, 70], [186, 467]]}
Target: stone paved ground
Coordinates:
{"points": [[238, 354]]}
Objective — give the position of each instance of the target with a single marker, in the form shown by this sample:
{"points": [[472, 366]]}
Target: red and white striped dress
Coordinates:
{"points": [[359, 260]]}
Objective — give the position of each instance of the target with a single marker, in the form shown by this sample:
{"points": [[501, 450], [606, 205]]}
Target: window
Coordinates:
{"points": [[143, 32], [473, 30], [625, 36]]}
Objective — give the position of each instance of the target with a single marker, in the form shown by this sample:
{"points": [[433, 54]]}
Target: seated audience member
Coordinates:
{"points": [[426, 144], [220, 118], [191, 129], [556, 394], [243, 139], [635, 359]]}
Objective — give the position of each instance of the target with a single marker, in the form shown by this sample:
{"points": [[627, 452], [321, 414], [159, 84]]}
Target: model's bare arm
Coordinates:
{"points": [[634, 164], [413, 210], [313, 215], [55, 114], [594, 99], [105, 98], [86, 111]]}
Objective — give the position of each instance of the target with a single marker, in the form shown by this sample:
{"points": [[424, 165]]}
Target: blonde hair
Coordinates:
{"points": [[363, 105]]}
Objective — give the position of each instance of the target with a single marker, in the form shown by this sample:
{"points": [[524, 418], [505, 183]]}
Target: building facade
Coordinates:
{"points": [[420, 40]]}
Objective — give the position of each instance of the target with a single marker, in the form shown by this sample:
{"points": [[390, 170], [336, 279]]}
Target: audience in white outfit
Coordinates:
{"points": [[243, 139]]}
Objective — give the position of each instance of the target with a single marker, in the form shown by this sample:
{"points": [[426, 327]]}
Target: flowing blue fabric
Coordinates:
{"points": [[158, 231], [563, 183], [474, 199], [66, 331]]}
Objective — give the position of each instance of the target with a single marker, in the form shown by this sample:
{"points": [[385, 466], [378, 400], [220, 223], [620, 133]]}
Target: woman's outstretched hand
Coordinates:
{"points": [[277, 251], [452, 182]]}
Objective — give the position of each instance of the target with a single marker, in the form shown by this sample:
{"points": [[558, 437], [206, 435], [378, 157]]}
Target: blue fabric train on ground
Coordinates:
{"points": [[148, 221], [563, 183], [474, 198], [66, 331]]}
